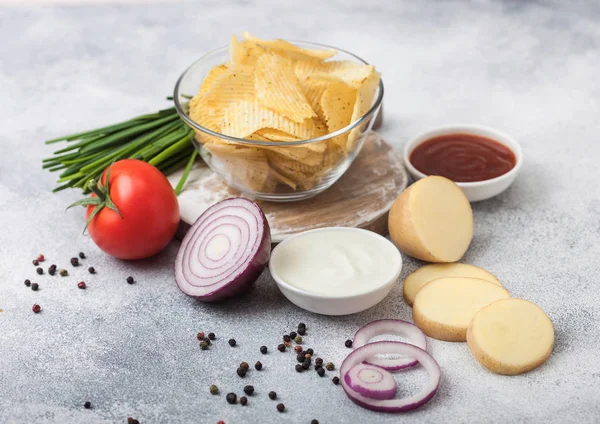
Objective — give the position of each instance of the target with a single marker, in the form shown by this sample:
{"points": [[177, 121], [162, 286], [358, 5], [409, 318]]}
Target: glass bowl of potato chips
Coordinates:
{"points": [[278, 120]]}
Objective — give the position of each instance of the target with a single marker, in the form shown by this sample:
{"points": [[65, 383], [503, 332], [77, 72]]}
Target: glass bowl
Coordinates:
{"points": [[273, 170]]}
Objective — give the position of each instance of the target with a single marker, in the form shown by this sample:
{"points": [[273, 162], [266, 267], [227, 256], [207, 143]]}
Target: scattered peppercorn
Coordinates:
{"points": [[298, 349], [263, 350], [348, 343], [258, 366], [63, 272], [306, 364], [314, 422], [272, 395], [319, 361], [286, 338], [281, 347], [307, 356], [203, 345], [74, 261], [91, 270], [299, 368], [207, 340], [280, 407], [249, 390], [232, 342], [301, 331], [287, 344], [81, 285], [132, 421], [231, 398], [130, 280], [87, 405], [300, 357], [81, 255], [35, 286], [329, 366], [242, 372], [41, 258], [52, 269], [310, 351], [36, 308], [243, 400], [318, 367], [336, 380], [211, 336], [28, 282], [244, 365], [321, 372], [35, 262], [220, 422], [200, 336], [39, 270], [293, 334], [214, 390]]}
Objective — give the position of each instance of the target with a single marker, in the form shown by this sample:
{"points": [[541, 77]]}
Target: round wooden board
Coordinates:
{"points": [[361, 198]]}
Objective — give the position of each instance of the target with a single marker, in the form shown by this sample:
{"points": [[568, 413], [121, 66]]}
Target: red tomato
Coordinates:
{"points": [[148, 207]]}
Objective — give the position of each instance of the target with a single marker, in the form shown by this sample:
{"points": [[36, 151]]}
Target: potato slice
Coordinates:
{"points": [[427, 273], [511, 336], [444, 307], [432, 220]]}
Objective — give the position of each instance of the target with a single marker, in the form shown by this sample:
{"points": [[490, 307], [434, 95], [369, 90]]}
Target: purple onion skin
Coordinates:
{"points": [[243, 281]]}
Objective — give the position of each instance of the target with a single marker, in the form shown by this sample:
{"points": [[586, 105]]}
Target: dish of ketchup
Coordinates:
{"points": [[463, 158]]}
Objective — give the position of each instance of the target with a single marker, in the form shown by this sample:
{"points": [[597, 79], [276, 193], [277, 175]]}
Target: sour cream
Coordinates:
{"points": [[336, 262]]}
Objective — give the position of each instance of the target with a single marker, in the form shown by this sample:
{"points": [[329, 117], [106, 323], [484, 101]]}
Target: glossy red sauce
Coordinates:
{"points": [[463, 157]]}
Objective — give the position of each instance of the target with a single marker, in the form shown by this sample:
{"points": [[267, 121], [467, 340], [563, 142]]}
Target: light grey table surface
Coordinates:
{"points": [[528, 68]]}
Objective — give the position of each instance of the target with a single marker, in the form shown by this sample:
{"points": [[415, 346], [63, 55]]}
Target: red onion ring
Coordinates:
{"points": [[224, 252], [392, 405], [371, 381], [397, 327]]}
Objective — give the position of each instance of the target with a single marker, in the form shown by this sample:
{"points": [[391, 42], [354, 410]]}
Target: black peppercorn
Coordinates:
{"points": [[272, 395], [207, 340], [35, 262], [81, 255], [301, 325], [258, 366], [348, 343], [28, 282], [336, 380], [310, 351], [281, 347], [35, 286], [329, 366], [314, 422], [74, 261], [286, 338], [301, 331], [263, 350], [130, 280], [87, 405], [321, 371], [132, 421], [231, 398], [91, 270], [243, 400], [319, 361], [306, 364], [244, 365], [203, 345], [242, 372], [232, 342], [293, 335], [211, 336], [39, 270], [280, 407], [52, 269], [300, 357], [299, 368], [249, 390]]}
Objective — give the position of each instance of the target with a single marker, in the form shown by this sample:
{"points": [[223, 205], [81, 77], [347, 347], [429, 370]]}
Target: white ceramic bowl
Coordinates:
{"points": [[479, 190], [338, 304]]}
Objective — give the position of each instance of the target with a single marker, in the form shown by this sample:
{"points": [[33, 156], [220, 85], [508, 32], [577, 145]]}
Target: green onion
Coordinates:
{"points": [[160, 138]]}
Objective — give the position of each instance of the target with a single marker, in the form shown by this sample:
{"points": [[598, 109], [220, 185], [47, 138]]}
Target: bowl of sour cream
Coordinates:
{"points": [[335, 270]]}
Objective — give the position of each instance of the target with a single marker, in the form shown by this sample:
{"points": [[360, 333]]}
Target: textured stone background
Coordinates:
{"points": [[528, 68]]}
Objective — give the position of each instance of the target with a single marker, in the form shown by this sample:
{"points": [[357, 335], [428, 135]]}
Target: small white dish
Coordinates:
{"points": [[338, 303], [475, 191]]}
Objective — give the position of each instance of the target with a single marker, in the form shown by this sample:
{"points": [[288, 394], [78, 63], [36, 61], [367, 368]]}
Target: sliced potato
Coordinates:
{"points": [[427, 273], [432, 220], [444, 307], [511, 336]]}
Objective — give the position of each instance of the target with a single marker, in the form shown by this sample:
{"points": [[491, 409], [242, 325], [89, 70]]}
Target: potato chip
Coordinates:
{"points": [[313, 89], [209, 80], [279, 177], [288, 49], [364, 102], [278, 88], [351, 73], [243, 166], [272, 134], [337, 103]]}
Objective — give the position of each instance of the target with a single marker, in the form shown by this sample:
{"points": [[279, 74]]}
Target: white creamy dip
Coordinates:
{"points": [[336, 261]]}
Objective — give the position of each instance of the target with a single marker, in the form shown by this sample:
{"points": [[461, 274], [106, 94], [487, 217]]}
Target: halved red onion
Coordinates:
{"points": [[397, 327], [372, 382], [391, 405], [224, 252]]}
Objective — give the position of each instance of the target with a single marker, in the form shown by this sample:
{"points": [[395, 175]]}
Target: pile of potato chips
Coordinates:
{"points": [[272, 90]]}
